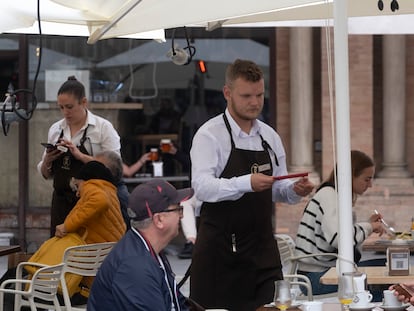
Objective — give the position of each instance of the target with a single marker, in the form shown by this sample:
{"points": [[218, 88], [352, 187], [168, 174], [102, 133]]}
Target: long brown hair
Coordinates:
{"points": [[359, 162]]}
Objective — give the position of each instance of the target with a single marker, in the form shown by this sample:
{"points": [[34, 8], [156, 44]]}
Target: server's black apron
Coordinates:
{"points": [[236, 260], [64, 199]]}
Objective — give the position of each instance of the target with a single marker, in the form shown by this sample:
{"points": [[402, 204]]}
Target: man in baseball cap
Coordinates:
{"points": [[155, 197], [136, 275]]}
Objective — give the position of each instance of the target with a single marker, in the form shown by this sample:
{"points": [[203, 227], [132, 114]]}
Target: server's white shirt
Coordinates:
{"points": [[101, 135], [211, 149]]}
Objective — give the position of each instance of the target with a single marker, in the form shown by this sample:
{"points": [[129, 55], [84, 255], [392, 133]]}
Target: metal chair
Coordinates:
{"points": [[289, 259], [83, 260], [300, 280], [39, 292]]}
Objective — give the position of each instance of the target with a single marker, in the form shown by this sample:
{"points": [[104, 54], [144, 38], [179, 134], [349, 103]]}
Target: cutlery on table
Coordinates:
{"points": [[388, 227]]}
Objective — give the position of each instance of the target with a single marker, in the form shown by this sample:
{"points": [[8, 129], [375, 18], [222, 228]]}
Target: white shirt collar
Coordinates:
{"points": [[255, 130], [90, 120]]}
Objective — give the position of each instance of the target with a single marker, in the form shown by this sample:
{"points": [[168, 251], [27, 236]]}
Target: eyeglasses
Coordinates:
{"points": [[178, 209]]}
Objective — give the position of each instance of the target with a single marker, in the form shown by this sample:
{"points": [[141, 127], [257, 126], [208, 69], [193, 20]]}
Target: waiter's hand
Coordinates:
{"points": [[72, 147], [303, 187], [261, 182], [74, 150], [51, 155]]}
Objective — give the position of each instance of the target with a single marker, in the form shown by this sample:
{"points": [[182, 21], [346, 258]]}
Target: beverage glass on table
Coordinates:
{"points": [[282, 298], [154, 154], [346, 290], [165, 145]]}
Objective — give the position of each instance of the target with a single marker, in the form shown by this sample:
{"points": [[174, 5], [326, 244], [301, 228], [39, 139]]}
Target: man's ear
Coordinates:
{"points": [[226, 91], [157, 219]]}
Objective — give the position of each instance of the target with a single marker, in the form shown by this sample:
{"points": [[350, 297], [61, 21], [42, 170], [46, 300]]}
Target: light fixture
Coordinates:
{"points": [[178, 55], [393, 5], [202, 66]]}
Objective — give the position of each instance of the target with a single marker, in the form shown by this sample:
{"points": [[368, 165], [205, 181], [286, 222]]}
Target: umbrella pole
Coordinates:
{"points": [[345, 224]]}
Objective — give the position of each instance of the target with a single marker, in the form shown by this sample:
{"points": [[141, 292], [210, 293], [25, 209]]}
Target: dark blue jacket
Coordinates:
{"points": [[131, 279]]}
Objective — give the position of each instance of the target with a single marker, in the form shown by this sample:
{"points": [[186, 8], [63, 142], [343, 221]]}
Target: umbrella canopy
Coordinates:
{"points": [[131, 16], [324, 9], [364, 17], [20, 16]]}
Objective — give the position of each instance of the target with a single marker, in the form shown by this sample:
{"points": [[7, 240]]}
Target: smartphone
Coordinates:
{"points": [[403, 290], [48, 146]]}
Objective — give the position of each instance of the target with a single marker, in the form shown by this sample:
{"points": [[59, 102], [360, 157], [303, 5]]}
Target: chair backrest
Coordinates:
{"points": [[45, 282], [300, 280], [83, 260], [286, 246], [289, 259]]}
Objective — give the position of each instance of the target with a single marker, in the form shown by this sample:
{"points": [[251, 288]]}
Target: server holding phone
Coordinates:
{"points": [[83, 134], [234, 158]]}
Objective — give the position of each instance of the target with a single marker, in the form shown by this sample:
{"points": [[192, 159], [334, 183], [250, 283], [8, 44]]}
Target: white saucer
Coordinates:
{"points": [[399, 308], [369, 306]]}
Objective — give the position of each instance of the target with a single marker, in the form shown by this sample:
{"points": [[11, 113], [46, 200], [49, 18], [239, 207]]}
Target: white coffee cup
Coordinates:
{"points": [[362, 299], [390, 299], [311, 305]]}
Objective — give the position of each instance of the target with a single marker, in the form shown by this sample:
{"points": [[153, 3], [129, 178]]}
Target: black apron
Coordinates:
{"points": [[64, 199], [236, 260]]}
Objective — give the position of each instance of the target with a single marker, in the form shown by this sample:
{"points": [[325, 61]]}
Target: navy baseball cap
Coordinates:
{"points": [[154, 197]]}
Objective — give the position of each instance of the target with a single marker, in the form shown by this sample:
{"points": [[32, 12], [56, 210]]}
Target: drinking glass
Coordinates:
{"points": [[346, 290], [282, 297]]}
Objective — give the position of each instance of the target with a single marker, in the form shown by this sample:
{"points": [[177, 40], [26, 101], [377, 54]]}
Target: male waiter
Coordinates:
{"points": [[234, 159]]}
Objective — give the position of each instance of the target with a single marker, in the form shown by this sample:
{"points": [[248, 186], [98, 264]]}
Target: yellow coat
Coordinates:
{"points": [[98, 210]]}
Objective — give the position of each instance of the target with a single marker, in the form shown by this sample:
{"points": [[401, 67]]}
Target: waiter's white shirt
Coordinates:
{"points": [[211, 149], [101, 135]]}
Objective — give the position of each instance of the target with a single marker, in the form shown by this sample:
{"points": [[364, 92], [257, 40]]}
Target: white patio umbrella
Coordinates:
{"points": [[20, 16], [131, 16]]}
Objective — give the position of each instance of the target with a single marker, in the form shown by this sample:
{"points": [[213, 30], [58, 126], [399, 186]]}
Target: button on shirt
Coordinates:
{"points": [[211, 150]]}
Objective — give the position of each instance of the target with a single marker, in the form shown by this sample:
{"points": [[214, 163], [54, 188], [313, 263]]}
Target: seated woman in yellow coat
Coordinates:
{"points": [[97, 210]]}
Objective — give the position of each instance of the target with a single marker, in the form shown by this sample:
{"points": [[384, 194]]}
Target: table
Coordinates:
{"points": [[376, 244], [375, 275], [9, 249], [327, 306], [141, 179]]}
